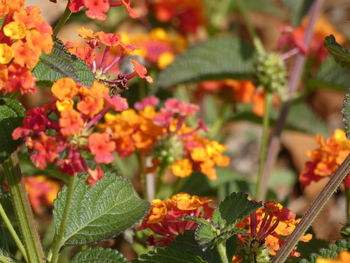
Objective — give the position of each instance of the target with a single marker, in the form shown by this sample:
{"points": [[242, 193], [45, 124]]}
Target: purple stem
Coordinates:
{"points": [[114, 61], [290, 53], [274, 145], [104, 56], [97, 117]]}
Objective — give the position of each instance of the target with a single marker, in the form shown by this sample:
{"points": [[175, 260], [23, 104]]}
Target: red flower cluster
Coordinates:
{"points": [[24, 35], [59, 132], [164, 216]]}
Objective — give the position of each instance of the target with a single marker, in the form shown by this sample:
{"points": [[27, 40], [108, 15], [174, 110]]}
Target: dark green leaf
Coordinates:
{"points": [[186, 242], [61, 64], [168, 255], [346, 114], [330, 252], [340, 54], [206, 236], [11, 115], [98, 255], [100, 211], [216, 58], [298, 9], [234, 208]]}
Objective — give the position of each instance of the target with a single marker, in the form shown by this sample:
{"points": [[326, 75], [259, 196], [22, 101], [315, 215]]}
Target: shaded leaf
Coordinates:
{"points": [[11, 115], [98, 255], [206, 236], [100, 211], [340, 54], [168, 255], [216, 58], [7, 257], [259, 5], [298, 9], [61, 64]]}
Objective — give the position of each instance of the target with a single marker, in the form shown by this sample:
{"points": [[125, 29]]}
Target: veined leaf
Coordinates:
{"points": [[216, 58], [340, 54], [298, 9], [168, 255], [100, 211], [98, 255], [61, 64], [11, 115]]}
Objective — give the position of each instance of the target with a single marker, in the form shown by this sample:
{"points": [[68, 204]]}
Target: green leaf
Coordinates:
{"points": [[330, 76], [99, 255], [100, 211], [234, 208], [298, 8], [330, 252], [11, 115], [61, 64], [260, 6], [216, 58], [340, 54], [206, 236], [198, 220], [168, 255], [346, 114], [4, 255]]}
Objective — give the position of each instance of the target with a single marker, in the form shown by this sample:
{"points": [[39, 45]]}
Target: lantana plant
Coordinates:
{"points": [[152, 132]]}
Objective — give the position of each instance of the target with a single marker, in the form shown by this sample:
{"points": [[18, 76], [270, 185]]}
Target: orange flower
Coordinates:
{"points": [[71, 122], [101, 146], [343, 257], [182, 168], [326, 159], [64, 88]]}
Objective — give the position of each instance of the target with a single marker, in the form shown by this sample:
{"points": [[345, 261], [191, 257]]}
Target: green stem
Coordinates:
{"points": [[63, 20], [23, 211], [347, 198], [161, 173], [313, 211], [226, 108], [256, 40], [4, 260], [264, 142], [222, 252], [13, 232], [57, 244], [141, 162]]}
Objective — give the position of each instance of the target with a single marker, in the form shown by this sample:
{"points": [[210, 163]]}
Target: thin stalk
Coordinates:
{"points": [[63, 20], [161, 173], [141, 162], [13, 233], [256, 40], [294, 81], [222, 252], [4, 260], [23, 211], [264, 141], [347, 203], [57, 244], [313, 211], [226, 108]]}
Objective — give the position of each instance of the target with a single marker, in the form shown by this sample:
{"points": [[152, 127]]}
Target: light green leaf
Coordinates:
{"points": [[100, 211], [298, 9], [11, 115], [168, 255], [61, 64], [206, 236], [98, 255], [340, 54], [216, 58]]}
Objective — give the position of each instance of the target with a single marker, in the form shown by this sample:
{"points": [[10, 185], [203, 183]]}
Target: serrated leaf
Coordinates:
{"points": [[100, 211], [346, 114], [216, 58], [330, 252], [340, 54], [234, 208], [298, 9], [206, 236], [11, 115], [61, 64], [168, 255], [195, 219], [98, 255], [187, 242]]}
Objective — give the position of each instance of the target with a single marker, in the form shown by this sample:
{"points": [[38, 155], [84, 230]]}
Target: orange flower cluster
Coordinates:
{"points": [[243, 91], [343, 257], [295, 37], [157, 47], [59, 132], [42, 191], [24, 35], [326, 159], [185, 15], [269, 225], [169, 139], [164, 216]]}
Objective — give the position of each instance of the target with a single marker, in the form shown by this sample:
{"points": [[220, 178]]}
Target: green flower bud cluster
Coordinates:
{"points": [[270, 72], [169, 149], [255, 251]]}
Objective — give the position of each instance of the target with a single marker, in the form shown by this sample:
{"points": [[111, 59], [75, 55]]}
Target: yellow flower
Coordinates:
{"points": [[343, 257], [15, 30], [6, 53], [182, 168]]}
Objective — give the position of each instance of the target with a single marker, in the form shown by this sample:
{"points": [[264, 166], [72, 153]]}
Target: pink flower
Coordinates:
{"points": [[101, 146], [150, 101]]}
